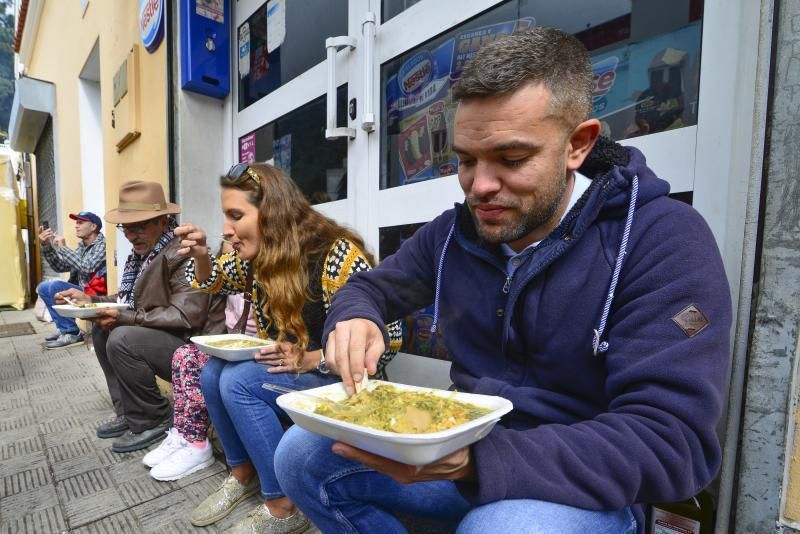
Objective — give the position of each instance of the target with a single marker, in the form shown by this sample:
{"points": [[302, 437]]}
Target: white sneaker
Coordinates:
{"points": [[171, 444], [184, 461]]}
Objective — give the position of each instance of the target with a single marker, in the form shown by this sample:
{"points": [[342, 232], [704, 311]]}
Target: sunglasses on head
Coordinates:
{"points": [[239, 170]]}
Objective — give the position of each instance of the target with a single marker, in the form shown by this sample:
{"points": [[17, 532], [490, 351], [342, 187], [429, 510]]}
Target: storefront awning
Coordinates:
{"points": [[34, 101]]}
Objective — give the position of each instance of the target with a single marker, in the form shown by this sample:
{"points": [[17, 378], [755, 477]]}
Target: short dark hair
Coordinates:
{"points": [[541, 55]]}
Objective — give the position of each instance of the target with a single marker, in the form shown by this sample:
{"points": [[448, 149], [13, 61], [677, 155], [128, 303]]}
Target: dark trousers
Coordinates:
{"points": [[131, 357]]}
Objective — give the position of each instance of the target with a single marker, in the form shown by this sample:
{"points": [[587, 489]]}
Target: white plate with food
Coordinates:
{"points": [[86, 311], [412, 425], [231, 347]]}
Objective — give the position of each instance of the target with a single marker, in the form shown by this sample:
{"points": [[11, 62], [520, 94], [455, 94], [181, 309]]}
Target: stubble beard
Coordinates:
{"points": [[531, 214]]}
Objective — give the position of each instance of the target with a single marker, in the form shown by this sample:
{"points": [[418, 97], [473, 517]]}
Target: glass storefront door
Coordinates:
{"points": [[392, 168]]}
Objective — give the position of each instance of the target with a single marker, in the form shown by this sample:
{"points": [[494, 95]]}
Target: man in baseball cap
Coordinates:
{"points": [[87, 216], [162, 313], [86, 265]]}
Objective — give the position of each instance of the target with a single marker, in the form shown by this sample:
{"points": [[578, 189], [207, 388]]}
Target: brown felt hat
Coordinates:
{"points": [[140, 201]]}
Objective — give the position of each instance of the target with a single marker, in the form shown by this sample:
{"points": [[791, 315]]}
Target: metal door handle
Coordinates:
{"points": [[368, 33], [332, 45]]}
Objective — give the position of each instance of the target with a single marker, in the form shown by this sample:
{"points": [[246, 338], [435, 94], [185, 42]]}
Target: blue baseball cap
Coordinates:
{"points": [[87, 216]]}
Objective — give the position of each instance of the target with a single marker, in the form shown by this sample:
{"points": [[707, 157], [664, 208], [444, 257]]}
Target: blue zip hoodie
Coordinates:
{"points": [[615, 404]]}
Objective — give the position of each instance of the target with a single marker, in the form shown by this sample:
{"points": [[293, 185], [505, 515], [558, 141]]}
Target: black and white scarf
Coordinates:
{"points": [[135, 264]]}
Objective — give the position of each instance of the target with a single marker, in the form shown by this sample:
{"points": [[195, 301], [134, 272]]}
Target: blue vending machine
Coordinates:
{"points": [[205, 46]]}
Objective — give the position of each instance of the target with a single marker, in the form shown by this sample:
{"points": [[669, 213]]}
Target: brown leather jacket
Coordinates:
{"points": [[165, 301]]}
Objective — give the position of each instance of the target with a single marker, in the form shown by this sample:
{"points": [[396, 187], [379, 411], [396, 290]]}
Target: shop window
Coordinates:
{"points": [[296, 143], [282, 40], [392, 8], [417, 336], [645, 57]]}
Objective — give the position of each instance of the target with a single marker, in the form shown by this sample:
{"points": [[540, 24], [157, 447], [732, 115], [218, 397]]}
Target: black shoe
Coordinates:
{"points": [[112, 429], [53, 336], [133, 441]]}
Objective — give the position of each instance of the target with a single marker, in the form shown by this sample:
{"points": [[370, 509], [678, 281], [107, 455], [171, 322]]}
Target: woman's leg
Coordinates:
{"points": [[259, 421], [191, 416], [211, 379]]}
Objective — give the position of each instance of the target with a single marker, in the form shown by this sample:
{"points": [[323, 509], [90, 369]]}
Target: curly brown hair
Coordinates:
{"points": [[292, 232]]}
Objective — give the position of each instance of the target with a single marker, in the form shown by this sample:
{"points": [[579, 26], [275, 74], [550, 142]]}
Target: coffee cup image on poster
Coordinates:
{"points": [[420, 112]]}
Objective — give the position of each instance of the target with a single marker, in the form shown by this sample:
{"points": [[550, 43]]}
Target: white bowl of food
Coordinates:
{"points": [[231, 347], [408, 435], [86, 311]]}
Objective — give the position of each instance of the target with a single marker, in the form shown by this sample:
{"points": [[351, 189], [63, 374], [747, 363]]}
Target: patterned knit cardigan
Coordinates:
{"points": [[229, 274]]}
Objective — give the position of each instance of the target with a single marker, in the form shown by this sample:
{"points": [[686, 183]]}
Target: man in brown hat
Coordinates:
{"points": [[134, 344]]}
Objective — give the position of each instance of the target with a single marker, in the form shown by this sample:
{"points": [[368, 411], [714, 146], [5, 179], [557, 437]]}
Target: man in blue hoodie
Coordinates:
{"points": [[569, 283]]}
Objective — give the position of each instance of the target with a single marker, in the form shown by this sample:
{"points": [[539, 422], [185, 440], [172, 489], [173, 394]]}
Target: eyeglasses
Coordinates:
{"points": [[238, 171], [134, 228]]}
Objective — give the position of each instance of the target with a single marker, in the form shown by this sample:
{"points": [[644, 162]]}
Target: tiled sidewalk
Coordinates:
{"points": [[55, 474]]}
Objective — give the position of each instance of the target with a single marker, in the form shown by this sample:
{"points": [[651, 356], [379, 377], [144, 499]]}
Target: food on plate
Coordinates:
{"points": [[85, 305], [405, 412], [236, 343]]}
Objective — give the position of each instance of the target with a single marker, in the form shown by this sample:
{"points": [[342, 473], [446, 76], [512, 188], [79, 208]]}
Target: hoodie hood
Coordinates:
{"points": [[617, 175]]}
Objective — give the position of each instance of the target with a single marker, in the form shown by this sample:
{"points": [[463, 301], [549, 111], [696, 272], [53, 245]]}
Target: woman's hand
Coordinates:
{"points": [[193, 241], [283, 358], [195, 245]]}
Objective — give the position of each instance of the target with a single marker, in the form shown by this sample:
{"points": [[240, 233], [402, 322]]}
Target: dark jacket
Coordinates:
{"points": [[165, 301], [634, 423]]}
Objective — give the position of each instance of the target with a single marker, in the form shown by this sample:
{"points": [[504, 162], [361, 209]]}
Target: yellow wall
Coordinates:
{"points": [[63, 43]]}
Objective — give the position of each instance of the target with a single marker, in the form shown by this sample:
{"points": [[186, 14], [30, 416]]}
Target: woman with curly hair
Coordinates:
{"points": [[297, 259]]}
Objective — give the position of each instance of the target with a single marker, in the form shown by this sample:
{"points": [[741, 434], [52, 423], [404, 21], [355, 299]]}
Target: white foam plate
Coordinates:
{"points": [[68, 310], [232, 355], [413, 449]]}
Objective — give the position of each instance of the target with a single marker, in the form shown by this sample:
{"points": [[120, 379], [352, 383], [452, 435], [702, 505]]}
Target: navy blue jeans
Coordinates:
{"points": [[340, 495], [46, 290], [248, 420]]}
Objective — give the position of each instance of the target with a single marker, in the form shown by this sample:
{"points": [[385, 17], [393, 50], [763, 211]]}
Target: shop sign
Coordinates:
{"points": [[247, 148], [151, 23], [420, 111]]}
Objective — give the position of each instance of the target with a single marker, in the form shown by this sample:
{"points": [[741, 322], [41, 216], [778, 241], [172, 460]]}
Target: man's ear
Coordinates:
{"points": [[580, 143]]}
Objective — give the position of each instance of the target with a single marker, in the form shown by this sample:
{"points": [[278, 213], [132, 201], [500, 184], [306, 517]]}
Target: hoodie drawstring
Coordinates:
{"points": [[597, 346], [439, 280]]}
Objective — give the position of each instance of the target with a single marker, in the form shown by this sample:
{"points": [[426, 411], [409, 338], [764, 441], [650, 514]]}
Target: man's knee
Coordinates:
{"points": [[297, 460], [45, 289]]}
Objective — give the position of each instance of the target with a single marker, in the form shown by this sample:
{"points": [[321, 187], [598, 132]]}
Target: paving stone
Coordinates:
{"points": [[18, 465], [83, 485], [54, 439], [47, 520], [215, 468], [20, 447], [199, 490], [109, 458], [20, 419], [13, 384], [59, 424], [72, 467], [143, 489], [152, 514], [10, 371], [13, 404], [25, 480], [90, 508], [129, 469], [29, 501], [122, 522]]}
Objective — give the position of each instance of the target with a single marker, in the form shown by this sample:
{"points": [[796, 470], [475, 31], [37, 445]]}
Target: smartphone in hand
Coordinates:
{"points": [[45, 225]]}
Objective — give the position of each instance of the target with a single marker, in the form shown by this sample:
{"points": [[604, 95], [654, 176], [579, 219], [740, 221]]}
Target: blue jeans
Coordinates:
{"points": [[46, 290], [340, 495], [247, 418]]}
